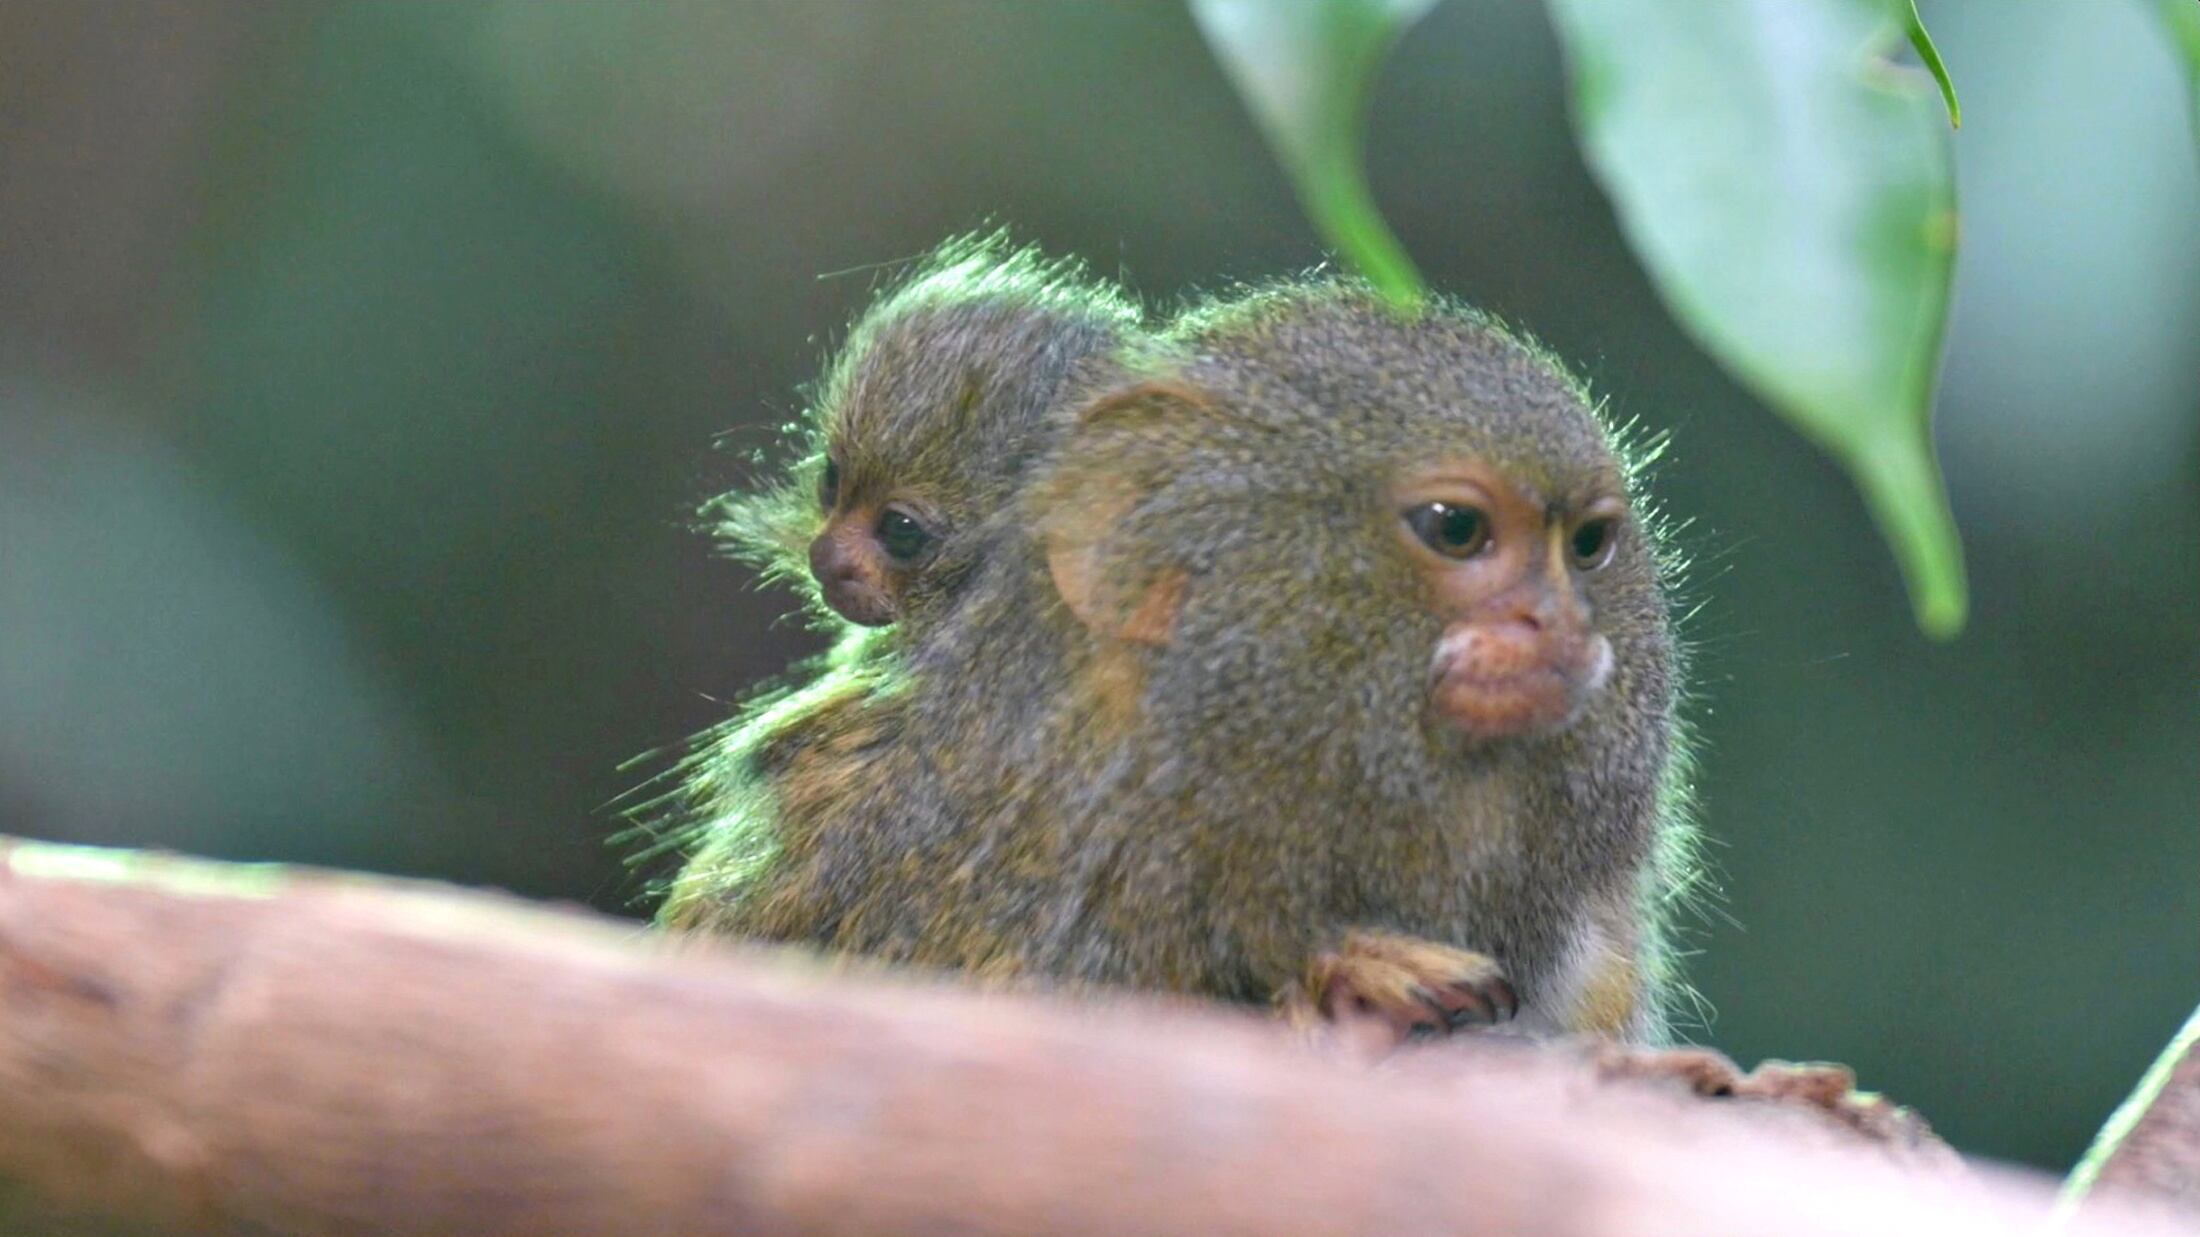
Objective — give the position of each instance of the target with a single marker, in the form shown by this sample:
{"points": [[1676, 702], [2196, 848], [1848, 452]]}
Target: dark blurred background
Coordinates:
{"points": [[361, 366]]}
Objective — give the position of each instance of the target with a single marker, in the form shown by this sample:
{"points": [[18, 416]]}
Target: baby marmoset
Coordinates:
{"points": [[947, 386], [1338, 626]]}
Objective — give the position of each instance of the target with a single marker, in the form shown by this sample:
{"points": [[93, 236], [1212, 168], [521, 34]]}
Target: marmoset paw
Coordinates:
{"points": [[1380, 990]]}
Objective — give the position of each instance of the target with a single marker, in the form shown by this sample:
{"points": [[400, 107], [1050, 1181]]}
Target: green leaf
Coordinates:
{"points": [[1791, 195], [1923, 42], [1304, 67], [2183, 19]]}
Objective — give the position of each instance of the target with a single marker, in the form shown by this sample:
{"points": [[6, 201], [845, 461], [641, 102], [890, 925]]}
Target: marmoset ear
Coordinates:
{"points": [[1120, 451]]}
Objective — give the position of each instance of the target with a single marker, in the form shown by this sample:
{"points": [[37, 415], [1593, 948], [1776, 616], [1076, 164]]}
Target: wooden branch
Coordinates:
{"points": [[2150, 1148], [202, 1048]]}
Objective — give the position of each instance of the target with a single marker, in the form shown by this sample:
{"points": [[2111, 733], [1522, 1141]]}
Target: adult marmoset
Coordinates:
{"points": [[1339, 633]]}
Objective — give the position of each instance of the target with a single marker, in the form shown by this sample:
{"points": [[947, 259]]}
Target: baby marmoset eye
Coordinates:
{"points": [[903, 536], [828, 486]]}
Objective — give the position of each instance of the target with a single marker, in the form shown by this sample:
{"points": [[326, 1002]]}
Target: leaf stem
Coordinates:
{"points": [[1338, 200], [1923, 42]]}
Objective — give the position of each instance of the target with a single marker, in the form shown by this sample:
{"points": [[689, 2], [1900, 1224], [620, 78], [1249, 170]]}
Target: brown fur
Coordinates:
{"points": [[1174, 733]]}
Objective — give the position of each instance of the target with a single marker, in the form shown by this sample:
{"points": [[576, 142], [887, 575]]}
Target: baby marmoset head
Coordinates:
{"points": [[946, 388]]}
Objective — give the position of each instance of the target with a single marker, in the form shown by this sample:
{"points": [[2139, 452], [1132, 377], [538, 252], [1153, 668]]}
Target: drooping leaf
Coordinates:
{"points": [[1922, 40], [1304, 67], [1792, 198], [2182, 17]]}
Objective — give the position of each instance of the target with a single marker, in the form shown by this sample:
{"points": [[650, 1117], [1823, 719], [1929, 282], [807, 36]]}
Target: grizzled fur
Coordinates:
{"points": [[947, 386], [1037, 799]]}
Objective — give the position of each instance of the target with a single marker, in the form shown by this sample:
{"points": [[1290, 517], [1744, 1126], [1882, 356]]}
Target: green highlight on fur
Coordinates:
{"points": [[708, 809], [1679, 887]]}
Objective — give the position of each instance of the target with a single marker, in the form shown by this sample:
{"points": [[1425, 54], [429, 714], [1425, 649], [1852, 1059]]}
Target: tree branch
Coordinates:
{"points": [[206, 1048]]}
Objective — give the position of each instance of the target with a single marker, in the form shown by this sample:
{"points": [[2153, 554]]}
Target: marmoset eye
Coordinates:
{"points": [[903, 537], [1592, 543], [1452, 531]]}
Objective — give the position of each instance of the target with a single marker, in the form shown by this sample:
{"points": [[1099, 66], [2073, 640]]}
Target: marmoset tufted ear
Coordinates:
{"points": [[1122, 449]]}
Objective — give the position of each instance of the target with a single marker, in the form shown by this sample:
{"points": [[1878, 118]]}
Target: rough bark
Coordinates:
{"points": [[199, 1048]]}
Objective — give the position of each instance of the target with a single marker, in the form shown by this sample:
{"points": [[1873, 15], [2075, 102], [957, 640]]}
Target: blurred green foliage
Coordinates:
{"points": [[1306, 69], [1796, 207], [362, 365], [1775, 182], [2182, 21]]}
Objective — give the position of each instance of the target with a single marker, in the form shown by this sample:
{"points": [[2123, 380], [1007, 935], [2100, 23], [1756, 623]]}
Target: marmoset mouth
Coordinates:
{"points": [[861, 604], [1538, 697]]}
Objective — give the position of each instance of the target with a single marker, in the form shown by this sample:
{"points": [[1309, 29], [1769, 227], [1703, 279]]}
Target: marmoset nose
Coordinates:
{"points": [[1500, 647], [830, 562], [850, 581]]}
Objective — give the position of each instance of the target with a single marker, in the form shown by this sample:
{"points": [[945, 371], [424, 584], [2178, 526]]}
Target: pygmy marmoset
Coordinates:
{"points": [[1337, 634]]}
